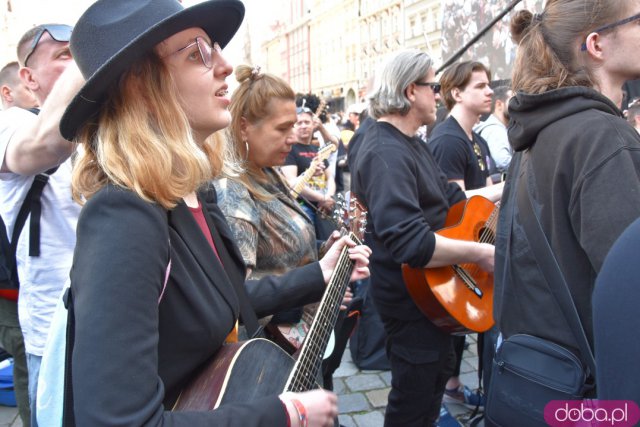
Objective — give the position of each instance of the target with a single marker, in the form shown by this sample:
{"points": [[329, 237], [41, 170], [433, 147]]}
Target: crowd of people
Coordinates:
{"points": [[159, 222]]}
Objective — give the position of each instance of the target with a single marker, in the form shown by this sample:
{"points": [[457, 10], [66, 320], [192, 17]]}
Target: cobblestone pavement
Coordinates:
{"points": [[362, 395]]}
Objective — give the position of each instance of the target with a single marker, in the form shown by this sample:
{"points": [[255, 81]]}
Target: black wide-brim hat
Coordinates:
{"points": [[112, 34]]}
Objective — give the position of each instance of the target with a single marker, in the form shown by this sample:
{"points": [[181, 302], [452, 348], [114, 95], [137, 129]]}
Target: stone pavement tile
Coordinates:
{"points": [[346, 421], [364, 382], [346, 355], [371, 419], [466, 366], [339, 386], [378, 398], [470, 379], [356, 402], [386, 377], [8, 416], [472, 361], [346, 369]]}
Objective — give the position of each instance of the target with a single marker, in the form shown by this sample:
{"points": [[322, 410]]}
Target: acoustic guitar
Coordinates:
{"points": [[245, 371], [458, 298]]}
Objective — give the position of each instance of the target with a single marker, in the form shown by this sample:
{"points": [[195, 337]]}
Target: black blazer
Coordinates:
{"points": [[132, 353]]}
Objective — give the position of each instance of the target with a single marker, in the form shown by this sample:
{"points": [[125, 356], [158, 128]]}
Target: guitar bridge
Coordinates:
{"points": [[468, 280]]}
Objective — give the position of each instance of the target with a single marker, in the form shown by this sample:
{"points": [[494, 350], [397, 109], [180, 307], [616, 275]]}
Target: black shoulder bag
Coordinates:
{"points": [[529, 372]]}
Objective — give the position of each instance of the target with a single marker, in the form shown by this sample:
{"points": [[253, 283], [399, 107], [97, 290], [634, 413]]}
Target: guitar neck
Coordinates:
{"points": [[304, 373], [304, 179]]}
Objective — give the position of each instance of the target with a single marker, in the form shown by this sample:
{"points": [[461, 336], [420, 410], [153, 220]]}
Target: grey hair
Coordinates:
{"points": [[389, 97]]}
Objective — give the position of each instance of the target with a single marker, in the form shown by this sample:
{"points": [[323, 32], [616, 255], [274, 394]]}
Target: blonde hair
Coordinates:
{"points": [[141, 140], [251, 102], [548, 53]]}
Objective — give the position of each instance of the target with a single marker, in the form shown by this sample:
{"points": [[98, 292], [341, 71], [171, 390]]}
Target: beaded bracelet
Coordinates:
{"points": [[302, 412]]}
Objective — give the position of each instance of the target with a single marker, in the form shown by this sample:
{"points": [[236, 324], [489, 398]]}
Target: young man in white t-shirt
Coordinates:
{"points": [[31, 144]]}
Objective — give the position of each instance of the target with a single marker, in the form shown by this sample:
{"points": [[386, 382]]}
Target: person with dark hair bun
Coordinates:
{"points": [[519, 24], [577, 157]]}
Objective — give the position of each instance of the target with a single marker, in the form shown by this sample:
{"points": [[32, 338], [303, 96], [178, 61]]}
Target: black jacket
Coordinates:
{"points": [[408, 198], [132, 353], [585, 160]]}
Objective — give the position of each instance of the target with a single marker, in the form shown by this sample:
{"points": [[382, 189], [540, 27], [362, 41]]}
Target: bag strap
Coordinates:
{"points": [[549, 265], [68, 417], [31, 205]]}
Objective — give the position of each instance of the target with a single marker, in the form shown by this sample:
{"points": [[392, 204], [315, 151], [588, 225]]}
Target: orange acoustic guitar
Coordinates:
{"points": [[458, 298]]}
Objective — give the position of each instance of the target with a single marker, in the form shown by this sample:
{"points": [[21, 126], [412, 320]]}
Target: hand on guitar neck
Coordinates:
{"points": [[358, 254]]}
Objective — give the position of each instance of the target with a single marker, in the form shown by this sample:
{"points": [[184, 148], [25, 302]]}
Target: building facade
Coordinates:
{"points": [[333, 47]]}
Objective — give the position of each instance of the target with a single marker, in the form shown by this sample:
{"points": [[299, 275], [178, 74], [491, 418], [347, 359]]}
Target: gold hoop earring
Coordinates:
{"points": [[246, 147]]}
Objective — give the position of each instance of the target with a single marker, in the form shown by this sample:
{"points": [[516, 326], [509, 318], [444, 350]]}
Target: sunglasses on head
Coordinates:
{"points": [[301, 110], [59, 33]]}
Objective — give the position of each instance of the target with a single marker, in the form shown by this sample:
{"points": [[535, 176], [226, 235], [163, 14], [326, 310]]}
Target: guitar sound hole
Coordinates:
{"points": [[486, 235]]}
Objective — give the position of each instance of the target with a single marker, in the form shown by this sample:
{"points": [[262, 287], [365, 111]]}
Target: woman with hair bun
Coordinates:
{"points": [[272, 231]]}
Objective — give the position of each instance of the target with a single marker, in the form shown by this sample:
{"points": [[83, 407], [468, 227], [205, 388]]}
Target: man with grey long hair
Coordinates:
{"points": [[408, 198]]}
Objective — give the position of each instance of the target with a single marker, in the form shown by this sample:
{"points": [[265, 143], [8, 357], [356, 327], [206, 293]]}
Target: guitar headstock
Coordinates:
{"points": [[357, 217], [322, 107], [350, 214]]}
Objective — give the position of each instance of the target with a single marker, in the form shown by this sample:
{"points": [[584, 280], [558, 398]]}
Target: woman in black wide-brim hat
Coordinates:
{"points": [[157, 280]]}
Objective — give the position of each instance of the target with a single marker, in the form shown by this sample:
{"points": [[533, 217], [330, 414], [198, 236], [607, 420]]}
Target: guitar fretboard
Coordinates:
{"points": [[305, 370]]}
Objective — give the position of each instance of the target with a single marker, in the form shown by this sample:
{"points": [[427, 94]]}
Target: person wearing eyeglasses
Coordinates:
{"points": [[158, 283], [578, 159], [408, 197], [30, 145]]}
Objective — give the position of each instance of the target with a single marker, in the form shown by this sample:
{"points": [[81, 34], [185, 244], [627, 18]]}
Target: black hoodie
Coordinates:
{"points": [[585, 164]]}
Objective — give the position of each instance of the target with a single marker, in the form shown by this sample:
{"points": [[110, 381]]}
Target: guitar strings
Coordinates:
{"points": [[487, 235], [310, 359], [305, 380]]}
